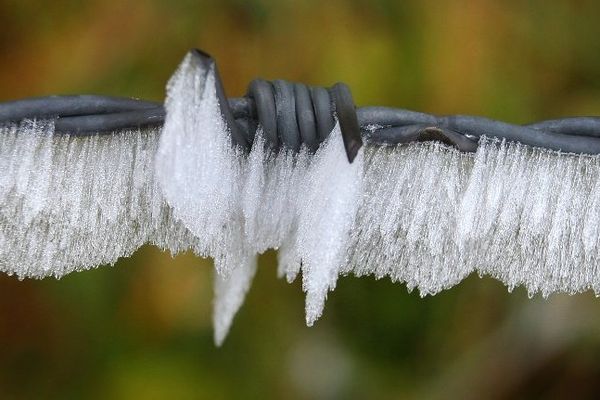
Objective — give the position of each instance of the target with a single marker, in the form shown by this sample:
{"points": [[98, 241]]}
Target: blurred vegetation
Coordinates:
{"points": [[141, 329]]}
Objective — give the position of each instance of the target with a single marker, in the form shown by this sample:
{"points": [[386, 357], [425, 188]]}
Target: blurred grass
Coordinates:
{"points": [[142, 329]]}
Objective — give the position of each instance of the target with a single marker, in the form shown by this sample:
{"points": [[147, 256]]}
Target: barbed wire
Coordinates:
{"points": [[294, 114]]}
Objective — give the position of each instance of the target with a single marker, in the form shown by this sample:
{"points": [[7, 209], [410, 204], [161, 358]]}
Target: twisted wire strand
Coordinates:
{"points": [[294, 114], [580, 135], [89, 115]]}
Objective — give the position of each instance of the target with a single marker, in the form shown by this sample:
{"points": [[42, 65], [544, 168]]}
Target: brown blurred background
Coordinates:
{"points": [[141, 329]]}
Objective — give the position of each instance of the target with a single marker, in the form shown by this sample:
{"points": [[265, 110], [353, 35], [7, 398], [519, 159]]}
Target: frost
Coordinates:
{"points": [[423, 214], [230, 292], [326, 212], [432, 215], [71, 203], [196, 165]]}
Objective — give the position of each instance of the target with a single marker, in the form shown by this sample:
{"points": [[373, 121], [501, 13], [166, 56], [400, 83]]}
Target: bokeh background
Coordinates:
{"points": [[141, 329]]}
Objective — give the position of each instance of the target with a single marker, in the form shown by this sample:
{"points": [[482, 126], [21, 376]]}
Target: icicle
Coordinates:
{"points": [[230, 292]]}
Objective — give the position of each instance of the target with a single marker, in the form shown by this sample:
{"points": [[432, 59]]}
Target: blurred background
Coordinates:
{"points": [[141, 329]]}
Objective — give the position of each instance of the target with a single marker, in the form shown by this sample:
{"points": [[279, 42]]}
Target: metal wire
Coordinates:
{"points": [[293, 114], [89, 115], [579, 135]]}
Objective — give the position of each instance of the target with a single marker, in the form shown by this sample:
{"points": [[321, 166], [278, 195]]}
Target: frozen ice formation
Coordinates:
{"points": [[230, 292], [196, 165], [241, 206], [69, 203], [424, 214], [327, 210]]}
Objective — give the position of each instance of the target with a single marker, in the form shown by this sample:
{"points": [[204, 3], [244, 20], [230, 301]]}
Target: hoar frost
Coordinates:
{"points": [[424, 214]]}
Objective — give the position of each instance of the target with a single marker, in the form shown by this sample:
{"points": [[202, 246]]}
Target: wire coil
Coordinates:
{"points": [[294, 114]]}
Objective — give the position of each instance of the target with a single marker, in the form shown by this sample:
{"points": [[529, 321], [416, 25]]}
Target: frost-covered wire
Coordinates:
{"points": [[294, 114], [424, 214]]}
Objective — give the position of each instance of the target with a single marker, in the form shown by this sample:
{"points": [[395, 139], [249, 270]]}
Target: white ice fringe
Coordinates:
{"points": [[431, 215], [424, 214], [70, 203]]}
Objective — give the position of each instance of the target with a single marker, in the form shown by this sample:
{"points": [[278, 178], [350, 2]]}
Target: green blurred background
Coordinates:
{"points": [[141, 329]]}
